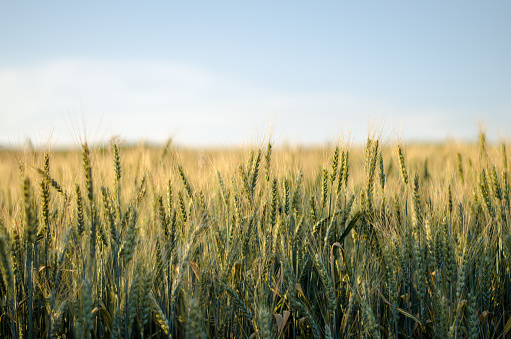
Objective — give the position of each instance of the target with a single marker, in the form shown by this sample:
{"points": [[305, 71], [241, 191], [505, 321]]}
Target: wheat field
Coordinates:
{"points": [[386, 240]]}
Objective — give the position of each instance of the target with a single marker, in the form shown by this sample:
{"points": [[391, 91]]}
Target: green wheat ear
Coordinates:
{"points": [[345, 170], [267, 163], [79, 211], [158, 315], [324, 189], [195, 328], [417, 203], [6, 266], [265, 324], [88, 171], [335, 165], [404, 174], [85, 318], [327, 282], [30, 222], [382, 173], [185, 182]]}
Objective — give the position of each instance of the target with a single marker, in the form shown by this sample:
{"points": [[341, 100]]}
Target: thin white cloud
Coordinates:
{"points": [[152, 100]]}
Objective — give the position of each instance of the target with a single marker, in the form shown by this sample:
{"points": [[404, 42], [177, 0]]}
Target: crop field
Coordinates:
{"points": [[384, 240]]}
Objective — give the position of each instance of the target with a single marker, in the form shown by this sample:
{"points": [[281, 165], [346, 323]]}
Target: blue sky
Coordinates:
{"points": [[226, 73]]}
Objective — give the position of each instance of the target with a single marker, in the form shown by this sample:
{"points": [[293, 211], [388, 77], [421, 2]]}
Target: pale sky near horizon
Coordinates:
{"points": [[226, 73]]}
